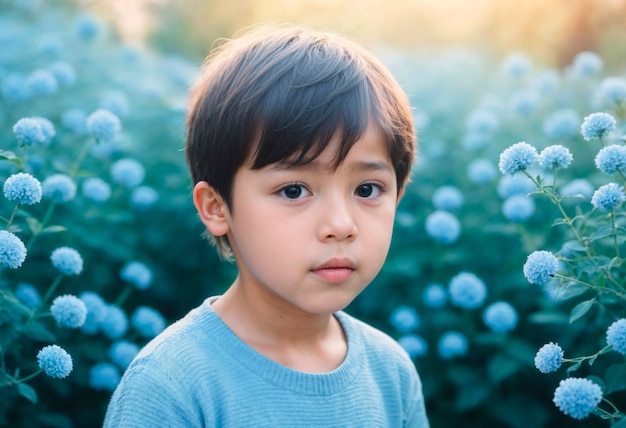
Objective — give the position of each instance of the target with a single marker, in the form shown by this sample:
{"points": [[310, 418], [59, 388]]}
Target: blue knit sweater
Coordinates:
{"points": [[197, 373]]}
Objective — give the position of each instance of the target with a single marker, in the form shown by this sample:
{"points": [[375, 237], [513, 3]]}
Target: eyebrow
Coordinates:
{"points": [[357, 166]]}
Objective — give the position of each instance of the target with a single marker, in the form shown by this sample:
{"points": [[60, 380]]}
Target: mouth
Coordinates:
{"points": [[335, 270]]}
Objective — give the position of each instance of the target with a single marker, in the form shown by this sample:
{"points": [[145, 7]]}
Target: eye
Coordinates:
{"points": [[293, 191], [368, 190]]}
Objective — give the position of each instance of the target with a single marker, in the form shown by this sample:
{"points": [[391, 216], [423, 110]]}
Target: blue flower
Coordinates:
{"points": [[12, 250], [115, 322], [608, 196], [587, 63], [467, 290], [14, 88], [59, 187], [127, 172], [55, 361], [611, 159], [434, 295], [104, 376], [47, 128], [524, 103], [22, 188], [67, 260], [616, 336], [555, 156], [613, 89], [414, 345], [87, 27], [452, 344], [147, 321], [63, 73], [28, 131], [562, 124], [404, 318], [115, 102], [138, 274], [103, 125], [122, 353], [28, 295], [41, 82], [518, 208], [96, 311], [577, 397], [473, 141], [549, 358], [510, 185], [546, 81], [540, 266], [518, 157], [143, 197], [516, 65], [443, 227], [597, 125], [500, 317], [75, 120], [447, 198], [481, 171], [69, 311], [579, 186], [96, 189]]}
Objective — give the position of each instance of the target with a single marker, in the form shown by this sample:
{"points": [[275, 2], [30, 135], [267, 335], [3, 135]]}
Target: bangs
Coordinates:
{"points": [[299, 118]]}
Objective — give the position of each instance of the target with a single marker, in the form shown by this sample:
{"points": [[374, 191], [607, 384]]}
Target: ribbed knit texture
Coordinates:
{"points": [[198, 373]]}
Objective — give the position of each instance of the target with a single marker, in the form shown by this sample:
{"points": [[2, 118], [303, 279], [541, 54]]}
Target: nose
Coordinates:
{"points": [[337, 221]]}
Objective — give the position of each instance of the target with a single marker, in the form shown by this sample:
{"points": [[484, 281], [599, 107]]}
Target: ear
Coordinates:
{"points": [[211, 208]]}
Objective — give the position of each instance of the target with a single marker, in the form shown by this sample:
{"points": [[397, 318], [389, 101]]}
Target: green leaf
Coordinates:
{"points": [[470, 396], [52, 229], [34, 225], [572, 290], [581, 309], [39, 332], [501, 366], [615, 378], [574, 367], [601, 232], [11, 157], [27, 392], [548, 317], [620, 424]]}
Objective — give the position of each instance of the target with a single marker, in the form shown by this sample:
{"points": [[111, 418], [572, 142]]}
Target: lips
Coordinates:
{"points": [[335, 270]]}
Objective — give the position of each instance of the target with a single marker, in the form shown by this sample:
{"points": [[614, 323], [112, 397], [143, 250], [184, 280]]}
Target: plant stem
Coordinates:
{"points": [[615, 234]]}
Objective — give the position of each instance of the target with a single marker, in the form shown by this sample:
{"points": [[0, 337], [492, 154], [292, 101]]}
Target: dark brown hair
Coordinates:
{"points": [[280, 95]]}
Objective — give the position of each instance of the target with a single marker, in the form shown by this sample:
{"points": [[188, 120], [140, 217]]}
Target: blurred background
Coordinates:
{"points": [[481, 75]]}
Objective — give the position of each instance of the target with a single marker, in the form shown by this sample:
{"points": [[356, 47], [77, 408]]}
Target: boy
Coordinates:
{"points": [[299, 144]]}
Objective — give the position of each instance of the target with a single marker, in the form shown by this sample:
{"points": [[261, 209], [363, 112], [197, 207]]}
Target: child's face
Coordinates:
{"points": [[312, 239]]}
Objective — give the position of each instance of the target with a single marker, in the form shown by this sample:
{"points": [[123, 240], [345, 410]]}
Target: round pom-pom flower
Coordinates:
{"points": [[147, 321], [414, 345], [447, 198], [59, 187], [96, 189], [587, 63], [75, 120], [467, 290], [452, 344], [540, 266], [579, 186], [137, 274], [482, 122], [562, 124], [41, 82], [611, 159], [500, 317], [115, 322], [555, 156], [28, 131], [12, 250], [434, 295], [87, 27], [103, 125], [481, 171], [510, 185], [549, 358], [597, 125], [519, 157], [577, 397], [443, 226], [608, 196], [67, 260], [23, 188], [404, 318], [96, 311], [55, 361], [127, 172], [518, 208], [122, 353], [28, 295], [104, 376], [69, 311], [143, 197], [616, 336], [47, 128], [613, 90], [516, 65]]}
